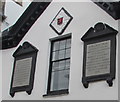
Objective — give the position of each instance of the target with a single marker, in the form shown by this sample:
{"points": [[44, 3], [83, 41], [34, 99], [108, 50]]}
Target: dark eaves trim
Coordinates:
{"points": [[112, 8], [11, 37]]}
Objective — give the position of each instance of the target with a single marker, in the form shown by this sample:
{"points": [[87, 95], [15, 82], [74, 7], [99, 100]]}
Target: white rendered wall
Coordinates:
{"points": [[85, 15], [13, 11]]}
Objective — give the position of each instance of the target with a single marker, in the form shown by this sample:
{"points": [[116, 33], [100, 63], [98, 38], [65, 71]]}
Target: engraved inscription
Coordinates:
{"points": [[98, 58], [22, 72]]}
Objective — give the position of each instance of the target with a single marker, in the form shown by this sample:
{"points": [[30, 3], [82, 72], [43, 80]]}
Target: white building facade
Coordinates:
{"points": [[84, 15]]}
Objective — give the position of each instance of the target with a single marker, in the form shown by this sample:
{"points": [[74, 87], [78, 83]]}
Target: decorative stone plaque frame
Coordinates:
{"points": [[99, 58], [23, 69]]}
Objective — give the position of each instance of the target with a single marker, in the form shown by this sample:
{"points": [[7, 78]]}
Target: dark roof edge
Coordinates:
{"points": [[112, 8], [13, 36]]}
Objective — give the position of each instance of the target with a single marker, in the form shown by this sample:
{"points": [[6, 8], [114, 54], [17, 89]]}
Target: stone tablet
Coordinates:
{"points": [[22, 72], [98, 58], [23, 69]]}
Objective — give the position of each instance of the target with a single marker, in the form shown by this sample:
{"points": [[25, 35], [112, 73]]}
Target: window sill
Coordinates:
{"points": [[57, 93]]}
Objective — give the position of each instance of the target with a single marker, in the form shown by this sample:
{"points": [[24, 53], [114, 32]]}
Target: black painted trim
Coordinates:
{"points": [[90, 38], [55, 93], [28, 53], [59, 33], [112, 8], [58, 92], [110, 75]]}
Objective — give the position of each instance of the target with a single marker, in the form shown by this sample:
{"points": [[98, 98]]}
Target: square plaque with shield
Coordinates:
{"points": [[99, 58], [23, 69], [61, 21]]}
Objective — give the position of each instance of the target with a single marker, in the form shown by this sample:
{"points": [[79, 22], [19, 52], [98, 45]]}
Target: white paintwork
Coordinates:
{"points": [[85, 15], [13, 11]]}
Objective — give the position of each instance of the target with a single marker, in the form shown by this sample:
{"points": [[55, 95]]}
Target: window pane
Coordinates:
{"points": [[62, 44], [67, 64], [67, 55], [55, 56], [60, 80], [68, 43], [56, 46], [55, 66], [61, 54], [61, 65]]}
